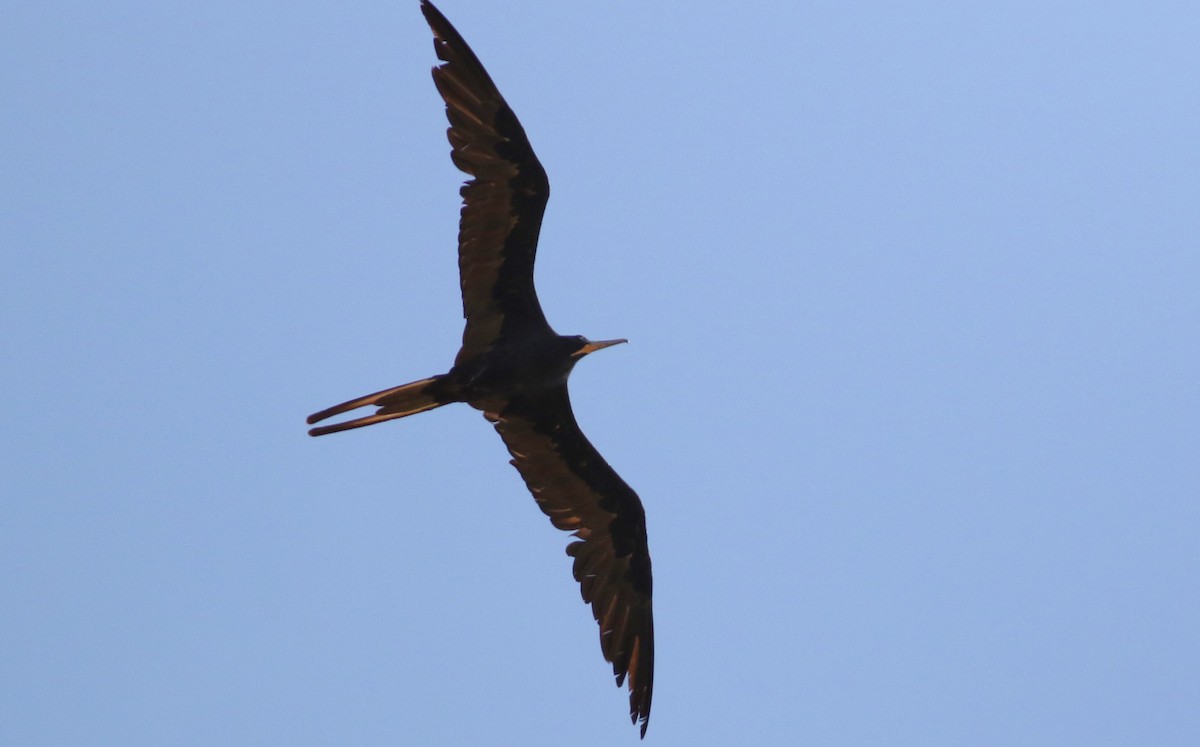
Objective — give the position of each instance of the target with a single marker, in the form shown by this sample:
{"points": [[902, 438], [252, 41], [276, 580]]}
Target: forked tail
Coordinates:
{"points": [[396, 402]]}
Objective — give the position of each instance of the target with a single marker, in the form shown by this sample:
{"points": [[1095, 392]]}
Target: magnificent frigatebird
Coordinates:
{"points": [[514, 367]]}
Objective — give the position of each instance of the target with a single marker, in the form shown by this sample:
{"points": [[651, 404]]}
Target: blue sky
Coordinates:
{"points": [[912, 292]]}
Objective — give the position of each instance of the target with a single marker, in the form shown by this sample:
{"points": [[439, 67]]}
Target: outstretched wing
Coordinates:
{"points": [[581, 493], [502, 204]]}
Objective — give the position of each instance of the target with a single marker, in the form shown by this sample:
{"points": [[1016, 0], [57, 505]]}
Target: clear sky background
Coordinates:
{"points": [[911, 397]]}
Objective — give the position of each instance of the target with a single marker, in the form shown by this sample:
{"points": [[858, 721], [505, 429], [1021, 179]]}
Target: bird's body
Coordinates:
{"points": [[514, 368], [528, 368]]}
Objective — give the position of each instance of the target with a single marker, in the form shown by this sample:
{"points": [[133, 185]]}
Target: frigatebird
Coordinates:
{"points": [[514, 367]]}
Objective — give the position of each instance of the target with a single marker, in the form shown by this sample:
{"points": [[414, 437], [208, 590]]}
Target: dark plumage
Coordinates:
{"points": [[514, 367]]}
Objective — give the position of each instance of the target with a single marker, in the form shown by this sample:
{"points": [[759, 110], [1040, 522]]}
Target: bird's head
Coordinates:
{"points": [[585, 346]]}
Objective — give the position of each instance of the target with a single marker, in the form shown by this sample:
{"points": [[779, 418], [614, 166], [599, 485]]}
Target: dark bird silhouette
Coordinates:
{"points": [[514, 367]]}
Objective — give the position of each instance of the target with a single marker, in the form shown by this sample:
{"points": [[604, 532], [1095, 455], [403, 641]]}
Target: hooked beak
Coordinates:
{"points": [[592, 347]]}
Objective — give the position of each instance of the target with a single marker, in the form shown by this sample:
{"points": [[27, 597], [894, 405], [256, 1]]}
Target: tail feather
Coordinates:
{"points": [[396, 402]]}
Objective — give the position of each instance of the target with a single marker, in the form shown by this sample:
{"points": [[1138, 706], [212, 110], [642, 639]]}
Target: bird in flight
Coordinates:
{"points": [[513, 367]]}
